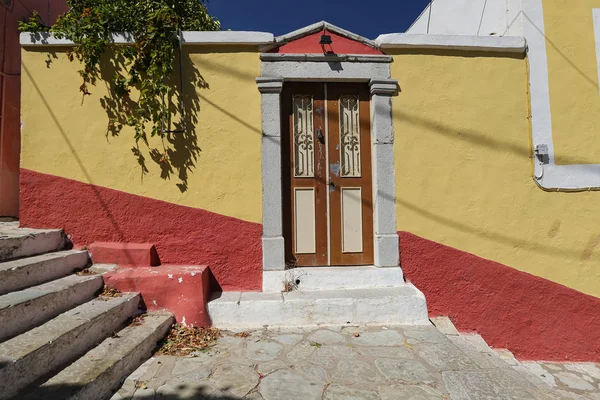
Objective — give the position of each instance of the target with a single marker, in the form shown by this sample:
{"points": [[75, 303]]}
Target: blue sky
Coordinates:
{"points": [[366, 18]]}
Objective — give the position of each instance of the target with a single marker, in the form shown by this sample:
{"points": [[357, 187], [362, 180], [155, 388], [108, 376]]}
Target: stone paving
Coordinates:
{"points": [[347, 363]]}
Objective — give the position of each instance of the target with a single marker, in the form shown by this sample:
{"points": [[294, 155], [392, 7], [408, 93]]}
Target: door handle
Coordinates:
{"points": [[320, 136]]}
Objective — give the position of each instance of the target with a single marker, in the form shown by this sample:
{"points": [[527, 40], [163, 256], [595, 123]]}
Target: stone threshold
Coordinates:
{"points": [[332, 278]]}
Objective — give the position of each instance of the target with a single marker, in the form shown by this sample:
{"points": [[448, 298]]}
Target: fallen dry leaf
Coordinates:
{"points": [[108, 291], [85, 272], [138, 320], [183, 340], [141, 385], [242, 334]]}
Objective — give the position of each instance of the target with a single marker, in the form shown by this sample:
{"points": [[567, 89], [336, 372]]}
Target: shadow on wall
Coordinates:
{"points": [[94, 213], [481, 139], [535, 318], [477, 138], [592, 81], [103, 204], [180, 151], [235, 73]]}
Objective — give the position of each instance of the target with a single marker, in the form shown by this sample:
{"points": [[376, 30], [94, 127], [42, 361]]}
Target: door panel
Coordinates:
{"points": [[303, 174], [328, 218], [304, 218], [352, 227], [350, 192]]}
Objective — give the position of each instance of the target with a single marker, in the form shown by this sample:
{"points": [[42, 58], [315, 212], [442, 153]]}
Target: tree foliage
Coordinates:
{"points": [[148, 63]]}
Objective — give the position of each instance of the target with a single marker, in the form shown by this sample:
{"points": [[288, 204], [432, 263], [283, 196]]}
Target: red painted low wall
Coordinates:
{"points": [[534, 318], [182, 235], [182, 290]]}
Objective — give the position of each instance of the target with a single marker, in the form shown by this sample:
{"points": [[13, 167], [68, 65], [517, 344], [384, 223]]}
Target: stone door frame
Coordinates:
{"points": [[276, 69]]}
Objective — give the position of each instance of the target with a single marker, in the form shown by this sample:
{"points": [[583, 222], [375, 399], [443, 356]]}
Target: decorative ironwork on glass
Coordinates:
{"points": [[304, 142], [350, 136]]}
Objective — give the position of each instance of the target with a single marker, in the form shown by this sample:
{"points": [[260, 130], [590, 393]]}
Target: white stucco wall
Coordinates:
{"points": [[470, 17]]}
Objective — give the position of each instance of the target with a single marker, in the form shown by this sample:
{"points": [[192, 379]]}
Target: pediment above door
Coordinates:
{"points": [[307, 40]]}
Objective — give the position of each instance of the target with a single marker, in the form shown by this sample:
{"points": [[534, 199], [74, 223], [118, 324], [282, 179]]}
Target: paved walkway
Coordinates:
{"points": [[357, 363]]}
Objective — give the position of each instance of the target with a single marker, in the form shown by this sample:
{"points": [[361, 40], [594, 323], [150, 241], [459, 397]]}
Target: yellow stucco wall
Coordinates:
{"points": [[464, 176], [573, 76], [64, 137]]}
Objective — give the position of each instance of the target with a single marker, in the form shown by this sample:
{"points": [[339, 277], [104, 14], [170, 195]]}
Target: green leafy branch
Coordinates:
{"points": [[148, 62]]}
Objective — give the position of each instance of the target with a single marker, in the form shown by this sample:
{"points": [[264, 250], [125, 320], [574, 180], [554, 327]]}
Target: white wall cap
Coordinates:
{"points": [[504, 44], [228, 37], [189, 38]]}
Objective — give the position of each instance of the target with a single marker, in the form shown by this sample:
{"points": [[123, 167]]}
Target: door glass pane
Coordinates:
{"points": [[350, 136], [304, 153]]}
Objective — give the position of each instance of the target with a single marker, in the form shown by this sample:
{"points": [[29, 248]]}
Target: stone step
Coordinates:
{"points": [[332, 278], [475, 346], [100, 372], [24, 242], [403, 305], [48, 348], [31, 271], [478, 351], [28, 308]]}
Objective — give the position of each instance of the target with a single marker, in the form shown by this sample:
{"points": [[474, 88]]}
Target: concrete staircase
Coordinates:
{"points": [[324, 296], [60, 338]]}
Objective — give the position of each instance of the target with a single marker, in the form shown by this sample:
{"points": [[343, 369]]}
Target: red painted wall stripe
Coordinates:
{"points": [[182, 235], [534, 318]]}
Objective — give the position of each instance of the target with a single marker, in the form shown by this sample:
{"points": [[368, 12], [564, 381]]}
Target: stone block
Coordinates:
{"points": [[445, 325], [273, 253], [124, 254]]}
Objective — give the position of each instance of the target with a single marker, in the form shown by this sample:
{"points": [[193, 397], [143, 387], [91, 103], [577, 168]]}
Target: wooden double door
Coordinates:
{"points": [[327, 179]]}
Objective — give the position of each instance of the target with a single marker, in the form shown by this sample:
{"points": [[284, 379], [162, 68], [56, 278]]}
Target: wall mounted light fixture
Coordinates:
{"points": [[325, 39]]}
